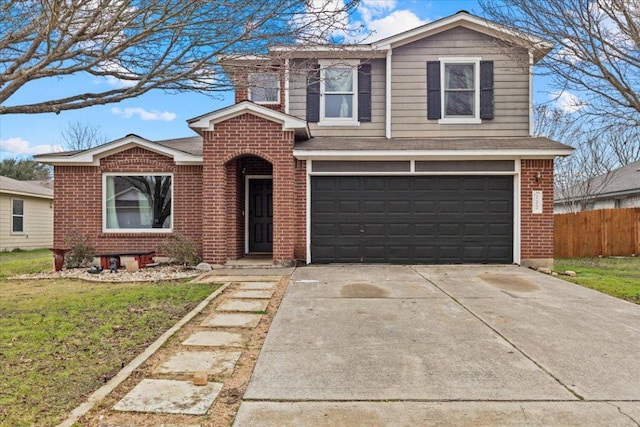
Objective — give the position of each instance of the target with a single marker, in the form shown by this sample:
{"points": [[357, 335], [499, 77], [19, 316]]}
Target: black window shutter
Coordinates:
{"points": [[313, 94], [433, 90], [364, 92], [486, 89]]}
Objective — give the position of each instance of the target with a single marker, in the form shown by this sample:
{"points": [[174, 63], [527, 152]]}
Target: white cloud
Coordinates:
{"points": [[117, 69], [394, 23], [568, 102], [18, 147], [127, 113]]}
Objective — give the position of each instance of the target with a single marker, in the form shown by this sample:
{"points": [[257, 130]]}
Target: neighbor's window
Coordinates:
{"points": [[461, 90], [264, 88], [338, 93], [17, 216], [138, 202]]}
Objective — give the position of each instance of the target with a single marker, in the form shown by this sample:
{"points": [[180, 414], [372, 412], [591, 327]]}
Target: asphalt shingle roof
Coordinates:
{"points": [[10, 185]]}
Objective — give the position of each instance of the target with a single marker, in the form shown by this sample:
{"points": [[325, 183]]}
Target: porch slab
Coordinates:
{"points": [[169, 397], [249, 286], [215, 339], [243, 305], [253, 294], [213, 362], [232, 320]]}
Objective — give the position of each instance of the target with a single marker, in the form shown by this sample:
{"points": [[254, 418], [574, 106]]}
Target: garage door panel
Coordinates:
{"points": [[412, 219]]}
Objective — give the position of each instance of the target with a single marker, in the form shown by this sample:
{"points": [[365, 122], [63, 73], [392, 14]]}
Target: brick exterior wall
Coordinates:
{"points": [[536, 229], [78, 201], [241, 89], [224, 148]]}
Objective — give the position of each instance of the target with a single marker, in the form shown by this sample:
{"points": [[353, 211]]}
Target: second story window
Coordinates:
{"points": [[459, 90], [264, 88], [339, 93]]}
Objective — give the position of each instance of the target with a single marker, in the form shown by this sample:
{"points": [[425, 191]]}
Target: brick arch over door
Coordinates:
{"points": [[243, 135], [237, 170]]}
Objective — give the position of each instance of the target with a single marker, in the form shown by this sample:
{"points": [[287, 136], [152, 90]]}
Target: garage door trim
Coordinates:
{"points": [[516, 196]]}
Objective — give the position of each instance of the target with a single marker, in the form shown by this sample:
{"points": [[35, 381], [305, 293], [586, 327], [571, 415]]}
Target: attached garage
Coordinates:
{"points": [[432, 219]]}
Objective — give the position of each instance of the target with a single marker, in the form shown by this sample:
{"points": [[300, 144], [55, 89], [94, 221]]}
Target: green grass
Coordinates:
{"points": [[618, 277], [61, 339], [25, 262]]}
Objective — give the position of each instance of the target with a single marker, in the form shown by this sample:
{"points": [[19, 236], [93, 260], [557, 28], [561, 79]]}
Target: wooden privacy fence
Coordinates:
{"points": [[606, 232]]}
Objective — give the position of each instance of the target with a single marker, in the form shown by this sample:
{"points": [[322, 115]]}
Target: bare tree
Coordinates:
{"points": [[82, 136], [596, 54], [583, 176], [140, 45]]}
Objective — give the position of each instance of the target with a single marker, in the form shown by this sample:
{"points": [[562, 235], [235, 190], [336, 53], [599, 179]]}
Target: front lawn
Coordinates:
{"points": [[62, 339], [618, 277], [25, 262]]}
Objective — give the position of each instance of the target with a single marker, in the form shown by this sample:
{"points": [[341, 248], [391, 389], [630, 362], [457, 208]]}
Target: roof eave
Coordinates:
{"points": [[430, 154]]}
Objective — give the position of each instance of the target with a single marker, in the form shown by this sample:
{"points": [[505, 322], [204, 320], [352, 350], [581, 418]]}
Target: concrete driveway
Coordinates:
{"points": [[445, 345]]}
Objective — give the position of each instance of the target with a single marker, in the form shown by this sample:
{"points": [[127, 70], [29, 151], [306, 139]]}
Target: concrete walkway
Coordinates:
{"points": [[454, 345]]}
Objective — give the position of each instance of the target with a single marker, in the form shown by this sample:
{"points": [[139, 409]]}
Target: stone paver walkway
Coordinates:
{"points": [[212, 349]]}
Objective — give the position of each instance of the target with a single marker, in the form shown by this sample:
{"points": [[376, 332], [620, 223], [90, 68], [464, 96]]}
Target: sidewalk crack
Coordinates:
{"points": [[624, 413]]}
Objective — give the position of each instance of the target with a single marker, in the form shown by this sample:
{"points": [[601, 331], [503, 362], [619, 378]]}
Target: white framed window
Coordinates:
{"points": [[264, 88], [137, 203], [17, 216], [339, 93], [460, 83]]}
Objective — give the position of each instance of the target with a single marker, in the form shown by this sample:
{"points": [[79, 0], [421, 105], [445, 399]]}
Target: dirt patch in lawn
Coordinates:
{"points": [[224, 408]]}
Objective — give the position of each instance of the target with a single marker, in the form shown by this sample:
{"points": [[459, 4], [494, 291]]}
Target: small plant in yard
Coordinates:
{"points": [[181, 249], [80, 253]]}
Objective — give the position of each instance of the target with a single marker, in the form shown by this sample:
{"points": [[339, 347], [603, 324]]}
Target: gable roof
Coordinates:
{"points": [[24, 188], [536, 45], [207, 122], [184, 151], [618, 182]]}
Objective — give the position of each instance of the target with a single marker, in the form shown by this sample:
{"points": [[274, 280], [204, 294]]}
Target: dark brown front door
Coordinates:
{"points": [[260, 215]]}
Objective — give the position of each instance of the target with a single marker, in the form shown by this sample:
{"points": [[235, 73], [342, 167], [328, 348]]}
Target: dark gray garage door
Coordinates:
{"points": [[417, 219]]}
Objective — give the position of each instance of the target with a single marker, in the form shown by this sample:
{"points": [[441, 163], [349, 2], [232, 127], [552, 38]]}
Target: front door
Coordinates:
{"points": [[260, 215]]}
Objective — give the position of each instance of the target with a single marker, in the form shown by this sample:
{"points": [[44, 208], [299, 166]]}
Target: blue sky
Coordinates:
{"points": [[158, 115]]}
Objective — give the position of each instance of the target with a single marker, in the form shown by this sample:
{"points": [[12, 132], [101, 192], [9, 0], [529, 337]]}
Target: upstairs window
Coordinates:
{"points": [[17, 216], [339, 93], [264, 88], [140, 203], [460, 90]]}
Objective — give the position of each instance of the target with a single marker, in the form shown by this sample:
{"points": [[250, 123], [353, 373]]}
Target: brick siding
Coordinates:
{"points": [[78, 201], [259, 146], [536, 229]]}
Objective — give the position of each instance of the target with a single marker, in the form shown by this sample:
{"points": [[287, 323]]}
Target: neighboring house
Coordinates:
{"points": [[26, 215], [619, 188], [413, 149]]}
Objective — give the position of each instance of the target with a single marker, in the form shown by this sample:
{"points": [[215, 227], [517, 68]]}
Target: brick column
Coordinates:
{"points": [[536, 249], [214, 184]]}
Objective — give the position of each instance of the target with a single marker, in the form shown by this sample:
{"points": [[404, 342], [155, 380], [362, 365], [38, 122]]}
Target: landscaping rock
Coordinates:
{"points": [[204, 266], [544, 270], [570, 273], [131, 266], [200, 378]]}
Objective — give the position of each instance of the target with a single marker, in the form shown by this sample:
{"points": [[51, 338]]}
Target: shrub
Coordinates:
{"points": [[181, 249], [80, 253]]}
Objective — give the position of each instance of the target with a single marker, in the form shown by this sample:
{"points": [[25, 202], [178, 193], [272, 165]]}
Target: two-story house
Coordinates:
{"points": [[413, 149]]}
